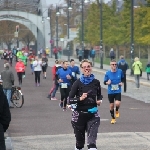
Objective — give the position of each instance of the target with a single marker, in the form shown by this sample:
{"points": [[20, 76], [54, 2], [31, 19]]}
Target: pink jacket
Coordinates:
{"points": [[20, 67]]}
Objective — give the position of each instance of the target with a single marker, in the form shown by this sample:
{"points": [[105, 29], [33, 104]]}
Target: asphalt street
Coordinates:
{"points": [[41, 123]]}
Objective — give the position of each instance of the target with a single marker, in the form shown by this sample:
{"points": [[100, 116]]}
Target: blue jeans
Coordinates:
{"points": [[7, 92], [55, 90]]}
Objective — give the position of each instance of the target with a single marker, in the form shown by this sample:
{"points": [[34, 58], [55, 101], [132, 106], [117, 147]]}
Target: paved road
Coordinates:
{"points": [[41, 124]]}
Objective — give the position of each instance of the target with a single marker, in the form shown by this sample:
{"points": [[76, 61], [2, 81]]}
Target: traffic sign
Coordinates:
{"points": [[15, 34]]}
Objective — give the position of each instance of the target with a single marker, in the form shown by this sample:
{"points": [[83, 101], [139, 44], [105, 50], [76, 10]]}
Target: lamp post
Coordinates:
{"points": [[57, 14], [132, 36], [101, 34]]}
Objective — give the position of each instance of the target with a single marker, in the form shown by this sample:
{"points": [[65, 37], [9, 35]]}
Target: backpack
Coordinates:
{"points": [[122, 66]]}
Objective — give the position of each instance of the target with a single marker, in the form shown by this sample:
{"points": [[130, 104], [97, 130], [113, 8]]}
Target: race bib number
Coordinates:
{"points": [[63, 85], [73, 74], [114, 87]]}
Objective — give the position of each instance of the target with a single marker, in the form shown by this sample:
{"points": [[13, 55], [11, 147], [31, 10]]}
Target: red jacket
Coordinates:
{"points": [[53, 72], [20, 67]]}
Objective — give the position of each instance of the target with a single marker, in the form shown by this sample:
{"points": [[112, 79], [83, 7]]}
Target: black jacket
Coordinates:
{"points": [[5, 116], [78, 88]]}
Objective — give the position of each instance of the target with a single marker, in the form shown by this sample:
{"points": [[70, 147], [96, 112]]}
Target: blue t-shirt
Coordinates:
{"points": [[62, 73], [115, 78], [75, 70]]}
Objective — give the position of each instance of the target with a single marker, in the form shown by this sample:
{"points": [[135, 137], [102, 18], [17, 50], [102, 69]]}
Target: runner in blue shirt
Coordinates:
{"points": [[75, 70], [113, 78]]}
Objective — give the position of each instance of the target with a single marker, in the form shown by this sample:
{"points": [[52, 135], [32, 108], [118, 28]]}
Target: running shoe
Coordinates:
{"points": [[113, 121], [117, 114], [53, 98], [64, 109]]}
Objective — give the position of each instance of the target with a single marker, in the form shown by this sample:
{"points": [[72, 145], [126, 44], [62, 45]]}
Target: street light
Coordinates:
{"points": [[132, 36], [101, 34]]}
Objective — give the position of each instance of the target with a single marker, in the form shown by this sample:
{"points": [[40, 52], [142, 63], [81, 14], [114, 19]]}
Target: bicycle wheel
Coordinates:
{"points": [[17, 98]]}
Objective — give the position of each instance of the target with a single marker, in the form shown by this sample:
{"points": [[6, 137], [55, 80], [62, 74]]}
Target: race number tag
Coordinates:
{"points": [[73, 74], [63, 85], [114, 87]]}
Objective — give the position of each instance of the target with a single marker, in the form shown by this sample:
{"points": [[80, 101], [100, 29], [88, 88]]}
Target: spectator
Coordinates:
{"points": [[5, 118], [8, 80], [123, 65], [92, 54], [148, 70], [55, 51], [137, 68]]}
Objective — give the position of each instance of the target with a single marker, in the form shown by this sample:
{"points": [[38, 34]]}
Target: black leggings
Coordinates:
{"points": [[64, 92], [37, 76], [20, 76], [82, 122]]}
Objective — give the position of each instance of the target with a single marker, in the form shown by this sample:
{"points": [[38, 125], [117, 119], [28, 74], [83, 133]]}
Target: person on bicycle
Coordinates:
{"points": [[8, 80]]}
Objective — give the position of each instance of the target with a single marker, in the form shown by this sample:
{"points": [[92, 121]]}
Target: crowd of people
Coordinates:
{"points": [[81, 94]]}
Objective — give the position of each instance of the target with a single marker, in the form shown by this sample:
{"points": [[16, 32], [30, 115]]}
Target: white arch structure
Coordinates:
{"points": [[42, 29]]}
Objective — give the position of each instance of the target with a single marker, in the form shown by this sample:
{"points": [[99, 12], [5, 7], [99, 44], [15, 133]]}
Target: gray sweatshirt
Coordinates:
{"points": [[8, 78]]}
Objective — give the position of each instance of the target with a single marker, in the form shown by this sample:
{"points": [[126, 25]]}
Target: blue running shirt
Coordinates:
{"points": [[115, 78]]}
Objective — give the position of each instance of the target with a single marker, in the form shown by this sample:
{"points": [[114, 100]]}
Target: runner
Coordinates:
{"points": [[31, 59], [84, 97], [75, 70], [55, 86], [113, 78], [37, 65], [20, 69], [44, 65], [24, 60], [64, 76]]}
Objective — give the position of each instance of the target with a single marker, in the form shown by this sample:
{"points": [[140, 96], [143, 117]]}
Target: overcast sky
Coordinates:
{"points": [[60, 1]]}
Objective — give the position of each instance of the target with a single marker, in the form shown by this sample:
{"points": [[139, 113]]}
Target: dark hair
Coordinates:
{"points": [[71, 60]]}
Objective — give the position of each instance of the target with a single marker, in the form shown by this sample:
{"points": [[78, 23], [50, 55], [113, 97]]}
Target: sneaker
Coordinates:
{"points": [[113, 121], [53, 98], [38, 84], [61, 104], [117, 114], [64, 109], [23, 76], [77, 148]]}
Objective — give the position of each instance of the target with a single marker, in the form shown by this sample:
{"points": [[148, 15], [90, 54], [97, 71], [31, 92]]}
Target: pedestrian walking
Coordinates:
{"points": [[37, 65], [148, 70], [75, 70], [137, 68], [64, 76], [10, 58], [123, 65], [55, 51], [5, 117], [44, 65], [112, 54], [92, 55], [114, 78], [8, 80], [80, 54], [20, 69], [55, 85], [84, 97]]}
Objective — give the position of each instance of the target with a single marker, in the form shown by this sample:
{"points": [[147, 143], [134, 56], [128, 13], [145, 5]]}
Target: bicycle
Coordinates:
{"points": [[17, 97]]}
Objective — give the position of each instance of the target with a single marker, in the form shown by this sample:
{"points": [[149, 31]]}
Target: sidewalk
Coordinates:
{"points": [[142, 94]]}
